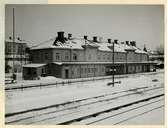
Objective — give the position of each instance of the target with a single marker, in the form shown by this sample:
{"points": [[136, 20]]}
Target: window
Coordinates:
{"points": [[93, 69], [34, 72], [111, 58], [72, 72], [89, 57], [85, 70], [96, 69], [28, 71], [43, 70], [103, 57], [88, 70], [57, 56], [99, 57], [103, 69], [46, 55], [108, 57], [74, 56], [14, 48], [81, 70], [9, 49], [66, 56], [37, 56]]}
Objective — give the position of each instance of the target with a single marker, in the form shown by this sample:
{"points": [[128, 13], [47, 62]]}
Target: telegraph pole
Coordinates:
{"points": [[113, 64], [14, 77]]}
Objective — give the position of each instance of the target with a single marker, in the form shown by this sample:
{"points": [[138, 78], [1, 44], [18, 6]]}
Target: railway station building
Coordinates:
{"points": [[68, 57]]}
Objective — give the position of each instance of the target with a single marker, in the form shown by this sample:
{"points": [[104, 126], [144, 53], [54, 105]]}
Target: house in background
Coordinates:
{"points": [[16, 55], [158, 58], [68, 57]]}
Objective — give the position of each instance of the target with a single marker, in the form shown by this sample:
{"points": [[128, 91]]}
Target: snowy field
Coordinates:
{"points": [[29, 99]]}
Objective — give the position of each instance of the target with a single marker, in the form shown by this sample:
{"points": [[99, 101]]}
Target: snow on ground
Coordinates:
{"points": [[125, 117], [130, 115], [97, 108], [52, 79], [155, 117], [18, 100]]}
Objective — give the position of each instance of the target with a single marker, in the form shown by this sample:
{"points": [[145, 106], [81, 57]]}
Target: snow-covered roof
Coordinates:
{"points": [[34, 65], [28, 44], [69, 44], [79, 43], [16, 41]]}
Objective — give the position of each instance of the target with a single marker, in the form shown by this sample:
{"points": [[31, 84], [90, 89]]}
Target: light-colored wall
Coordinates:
{"points": [[87, 54], [88, 70], [41, 56]]}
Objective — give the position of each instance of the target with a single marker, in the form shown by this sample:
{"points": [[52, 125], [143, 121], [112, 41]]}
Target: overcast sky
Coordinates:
{"points": [[38, 23]]}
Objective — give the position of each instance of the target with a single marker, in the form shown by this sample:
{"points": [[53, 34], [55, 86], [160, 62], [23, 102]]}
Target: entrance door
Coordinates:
{"points": [[66, 73]]}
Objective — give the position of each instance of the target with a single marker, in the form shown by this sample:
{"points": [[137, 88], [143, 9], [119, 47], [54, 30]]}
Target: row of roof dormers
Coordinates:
{"points": [[69, 42]]}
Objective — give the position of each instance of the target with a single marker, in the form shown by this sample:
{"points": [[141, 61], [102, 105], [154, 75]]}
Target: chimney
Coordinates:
{"points": [[95, 39], [134, 43], [116, 41], [60, 35], [144, 49], [69, 35], [85, 37], [100, 39], [127, 42], [60, 38], [109, 41], [131, 43]]}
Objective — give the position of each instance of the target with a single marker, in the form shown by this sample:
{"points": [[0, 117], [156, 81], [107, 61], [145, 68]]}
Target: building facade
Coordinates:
{"points": [[80, 57], [15, 56]]}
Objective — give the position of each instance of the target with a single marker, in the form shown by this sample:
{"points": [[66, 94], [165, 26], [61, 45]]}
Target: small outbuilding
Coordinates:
{"points": [[33, 71]]}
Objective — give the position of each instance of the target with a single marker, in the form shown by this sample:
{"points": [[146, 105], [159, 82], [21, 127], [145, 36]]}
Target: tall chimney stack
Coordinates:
{"points": [[60, 38], [109, 41], [134, 43], [60, 34], [69, 35], [95, 39], [131, 43], [85, 37], [116, 41], [127, 42]]}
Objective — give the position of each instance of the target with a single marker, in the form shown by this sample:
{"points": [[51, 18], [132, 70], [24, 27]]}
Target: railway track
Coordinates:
{"points": [[107, 110], [75, 107], [125, 114], [74, 101]]}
